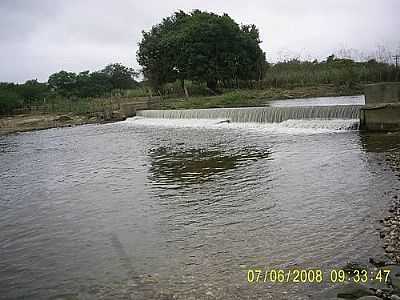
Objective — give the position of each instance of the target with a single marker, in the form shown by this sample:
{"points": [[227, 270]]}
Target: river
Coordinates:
{"points": [[162, 208]]}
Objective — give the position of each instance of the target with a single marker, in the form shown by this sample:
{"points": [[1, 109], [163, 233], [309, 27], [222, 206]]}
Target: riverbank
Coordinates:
{"points": [[249, 98], [40, 121], [117, 109]]}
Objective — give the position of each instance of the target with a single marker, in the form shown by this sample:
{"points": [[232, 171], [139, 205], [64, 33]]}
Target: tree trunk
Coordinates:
{"points": [[212, 85], [186, 93], [184, 88]]}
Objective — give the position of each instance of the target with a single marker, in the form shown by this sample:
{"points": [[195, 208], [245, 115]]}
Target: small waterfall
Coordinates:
{"points": [[260, 114]]}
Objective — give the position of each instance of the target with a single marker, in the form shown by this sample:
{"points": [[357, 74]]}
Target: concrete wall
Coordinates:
{"points": [[381, 118], [387, 92], [128, 109], [382, 107]]}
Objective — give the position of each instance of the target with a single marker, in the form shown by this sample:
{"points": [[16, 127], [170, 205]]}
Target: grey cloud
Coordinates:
{"points": [[19, 19], [40, 37]]}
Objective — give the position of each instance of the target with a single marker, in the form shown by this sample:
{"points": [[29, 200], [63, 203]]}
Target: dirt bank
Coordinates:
{"points": [[29, 122]]}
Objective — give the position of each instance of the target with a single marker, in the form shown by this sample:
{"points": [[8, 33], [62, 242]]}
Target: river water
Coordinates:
{"points": [[181, 209]]}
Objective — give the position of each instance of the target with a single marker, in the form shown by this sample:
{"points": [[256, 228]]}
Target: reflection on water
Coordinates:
{"points": [[380, 142], [386, 144], [189, 166]]}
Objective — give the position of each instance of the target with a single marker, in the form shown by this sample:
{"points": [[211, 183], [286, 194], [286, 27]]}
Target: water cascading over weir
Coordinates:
{"points": [[261, 114]]}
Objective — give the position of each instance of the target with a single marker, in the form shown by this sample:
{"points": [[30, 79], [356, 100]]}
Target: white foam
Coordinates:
{"points": [[309, 126], [263, 114]]}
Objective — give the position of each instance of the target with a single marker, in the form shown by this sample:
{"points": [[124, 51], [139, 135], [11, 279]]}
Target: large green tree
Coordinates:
{"points": [[121, 77], [63, 82], [200, 46], [92, 84]]}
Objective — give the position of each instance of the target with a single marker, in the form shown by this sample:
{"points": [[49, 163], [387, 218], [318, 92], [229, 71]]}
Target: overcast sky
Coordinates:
{"points": [[41, 37]]}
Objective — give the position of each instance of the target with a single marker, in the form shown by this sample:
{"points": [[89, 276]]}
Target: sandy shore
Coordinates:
{"points": [[30, 122]]}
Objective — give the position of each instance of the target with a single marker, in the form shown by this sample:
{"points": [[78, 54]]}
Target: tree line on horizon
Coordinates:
{"points": [[67, 85], [197, 53]]}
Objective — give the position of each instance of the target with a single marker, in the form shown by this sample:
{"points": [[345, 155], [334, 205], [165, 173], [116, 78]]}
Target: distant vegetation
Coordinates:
{"points": [[191, 56], [67, 90], [344, 74], [337, 71]]}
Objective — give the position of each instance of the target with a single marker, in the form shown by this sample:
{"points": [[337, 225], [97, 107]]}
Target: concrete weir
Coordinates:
{"points": [[382, 107]]}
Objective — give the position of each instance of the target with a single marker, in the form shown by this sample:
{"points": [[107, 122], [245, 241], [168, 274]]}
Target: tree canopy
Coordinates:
{"points": [[200, 46], [121, 77], [86, 84]]}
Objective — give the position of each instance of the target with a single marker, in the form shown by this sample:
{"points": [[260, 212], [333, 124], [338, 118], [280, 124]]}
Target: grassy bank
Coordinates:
{"points": [[254, 97]]}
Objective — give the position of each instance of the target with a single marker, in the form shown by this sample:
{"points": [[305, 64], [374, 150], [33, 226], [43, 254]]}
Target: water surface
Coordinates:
{"points": [[161, 208], [320, 101]]}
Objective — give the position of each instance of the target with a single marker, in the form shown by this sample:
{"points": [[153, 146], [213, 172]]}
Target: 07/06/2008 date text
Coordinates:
{"points": [[316, 276]]}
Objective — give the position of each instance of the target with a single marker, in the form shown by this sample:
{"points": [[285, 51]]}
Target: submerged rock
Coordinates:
{"points": [[354, 291], [63, 118], [354, 266], [394, 276], [379, 261], [345, 291]]}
